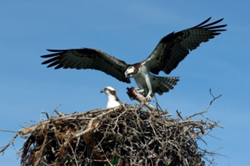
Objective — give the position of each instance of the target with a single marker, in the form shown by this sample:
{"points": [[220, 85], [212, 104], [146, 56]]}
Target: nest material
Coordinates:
{"points": [[125, 135]]}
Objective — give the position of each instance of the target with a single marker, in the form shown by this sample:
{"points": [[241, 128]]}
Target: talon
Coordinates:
{"points": [[139, 90], [148, 98]]}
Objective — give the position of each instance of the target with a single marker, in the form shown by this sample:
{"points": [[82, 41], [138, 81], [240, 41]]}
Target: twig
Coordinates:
{"points": [[12, 141], [90, 127], [209, 105]]}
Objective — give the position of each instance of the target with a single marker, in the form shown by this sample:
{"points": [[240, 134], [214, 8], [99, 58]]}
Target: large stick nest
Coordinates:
{"points": [[125, 135]]}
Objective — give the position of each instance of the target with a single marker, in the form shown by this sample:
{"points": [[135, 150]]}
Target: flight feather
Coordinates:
{"points": [[87, 58], [174, 47]]}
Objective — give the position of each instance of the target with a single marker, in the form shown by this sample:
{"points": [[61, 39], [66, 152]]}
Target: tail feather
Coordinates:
{"points": [[164, 84]]}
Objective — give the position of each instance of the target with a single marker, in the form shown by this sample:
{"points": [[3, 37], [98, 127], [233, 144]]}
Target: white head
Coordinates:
{"points": [[109, 91], [113, 100], [131, 71]]}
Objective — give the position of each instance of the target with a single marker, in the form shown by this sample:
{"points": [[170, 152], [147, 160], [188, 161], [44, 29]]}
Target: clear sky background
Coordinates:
{"points": [[128, 30]]}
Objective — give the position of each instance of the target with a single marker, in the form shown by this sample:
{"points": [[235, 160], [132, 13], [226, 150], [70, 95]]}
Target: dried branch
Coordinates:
{"points": [[11, 142], [209, 105]]}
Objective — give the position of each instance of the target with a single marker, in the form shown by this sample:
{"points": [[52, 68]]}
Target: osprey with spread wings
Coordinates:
{"points": [[169, 52]]}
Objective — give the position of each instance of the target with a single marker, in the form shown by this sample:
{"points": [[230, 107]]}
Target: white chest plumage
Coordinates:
{"points": [[144, 79], [112, 101]]}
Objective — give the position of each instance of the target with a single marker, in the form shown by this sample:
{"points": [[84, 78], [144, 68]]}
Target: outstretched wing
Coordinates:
{"points": [[87, 58], [174, 47]]}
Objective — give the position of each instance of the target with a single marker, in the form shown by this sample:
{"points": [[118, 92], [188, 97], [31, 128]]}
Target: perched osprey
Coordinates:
{"points": [[169, 52], [113, 100]]}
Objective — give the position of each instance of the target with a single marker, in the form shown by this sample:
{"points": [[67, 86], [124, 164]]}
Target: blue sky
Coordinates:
{"points": [[128, 30]]}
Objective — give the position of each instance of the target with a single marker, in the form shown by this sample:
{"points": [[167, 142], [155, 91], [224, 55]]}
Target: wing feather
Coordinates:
{"points": [[87, 58], [174, 47]]}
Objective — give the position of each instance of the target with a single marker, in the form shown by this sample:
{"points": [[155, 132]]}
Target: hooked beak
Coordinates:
{"points": [[127, 75], [102, 91]]}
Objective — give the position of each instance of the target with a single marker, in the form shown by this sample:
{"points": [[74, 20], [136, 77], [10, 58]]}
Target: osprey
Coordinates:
{"points": [[113, 100], [169, 52]]}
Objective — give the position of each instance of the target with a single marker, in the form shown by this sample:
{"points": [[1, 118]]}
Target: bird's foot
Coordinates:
{"points": [[148, 98], [141, 91]]}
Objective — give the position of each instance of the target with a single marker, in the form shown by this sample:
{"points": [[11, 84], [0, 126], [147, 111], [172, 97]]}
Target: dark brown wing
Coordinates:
{"points": [[87, 58], [174, 47]]}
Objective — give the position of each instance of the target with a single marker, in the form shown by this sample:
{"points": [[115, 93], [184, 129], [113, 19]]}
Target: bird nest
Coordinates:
{"points": [[125, 135]]}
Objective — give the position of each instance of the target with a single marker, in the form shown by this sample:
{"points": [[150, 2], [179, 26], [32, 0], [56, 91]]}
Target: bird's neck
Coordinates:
{"points": [[113, 101], [112, 98]]}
